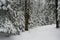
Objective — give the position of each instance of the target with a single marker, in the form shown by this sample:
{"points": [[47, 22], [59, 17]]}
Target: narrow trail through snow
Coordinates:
{"points": [[48, 32]]}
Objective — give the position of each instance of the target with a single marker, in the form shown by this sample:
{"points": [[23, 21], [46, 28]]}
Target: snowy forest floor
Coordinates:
{"points": [[48, 32]]}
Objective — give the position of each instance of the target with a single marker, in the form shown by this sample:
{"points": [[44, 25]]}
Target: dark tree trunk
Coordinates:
{"points": [[27, 4], [57, 24]]}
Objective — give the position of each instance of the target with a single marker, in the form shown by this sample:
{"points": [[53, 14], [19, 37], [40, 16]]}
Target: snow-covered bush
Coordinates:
{"points": [[10, 18]]}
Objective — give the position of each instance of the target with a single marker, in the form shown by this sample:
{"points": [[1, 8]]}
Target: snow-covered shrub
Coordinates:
{"points": [[18, 14], [11, 16]]}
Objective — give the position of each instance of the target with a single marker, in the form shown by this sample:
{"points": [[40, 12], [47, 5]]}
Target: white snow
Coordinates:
{"points": [[3, 1], [4, 8], [48, 32]]}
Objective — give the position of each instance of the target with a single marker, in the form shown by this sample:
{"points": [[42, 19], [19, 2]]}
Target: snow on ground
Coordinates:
{"points": [[48, 32]]}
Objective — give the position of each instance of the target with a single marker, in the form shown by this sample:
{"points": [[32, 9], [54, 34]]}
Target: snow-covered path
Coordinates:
{"points": [[48, 32]]}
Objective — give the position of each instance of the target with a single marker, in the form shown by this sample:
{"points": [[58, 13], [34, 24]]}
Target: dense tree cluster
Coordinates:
{"points": [[41, 12]]}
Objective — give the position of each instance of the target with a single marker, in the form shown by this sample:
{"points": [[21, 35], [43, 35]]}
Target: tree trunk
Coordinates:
{"points": [[57, 24], [27, 4]]}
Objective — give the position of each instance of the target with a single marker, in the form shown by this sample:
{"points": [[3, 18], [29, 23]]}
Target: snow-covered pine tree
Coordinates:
{"points": [[10, 16]]}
